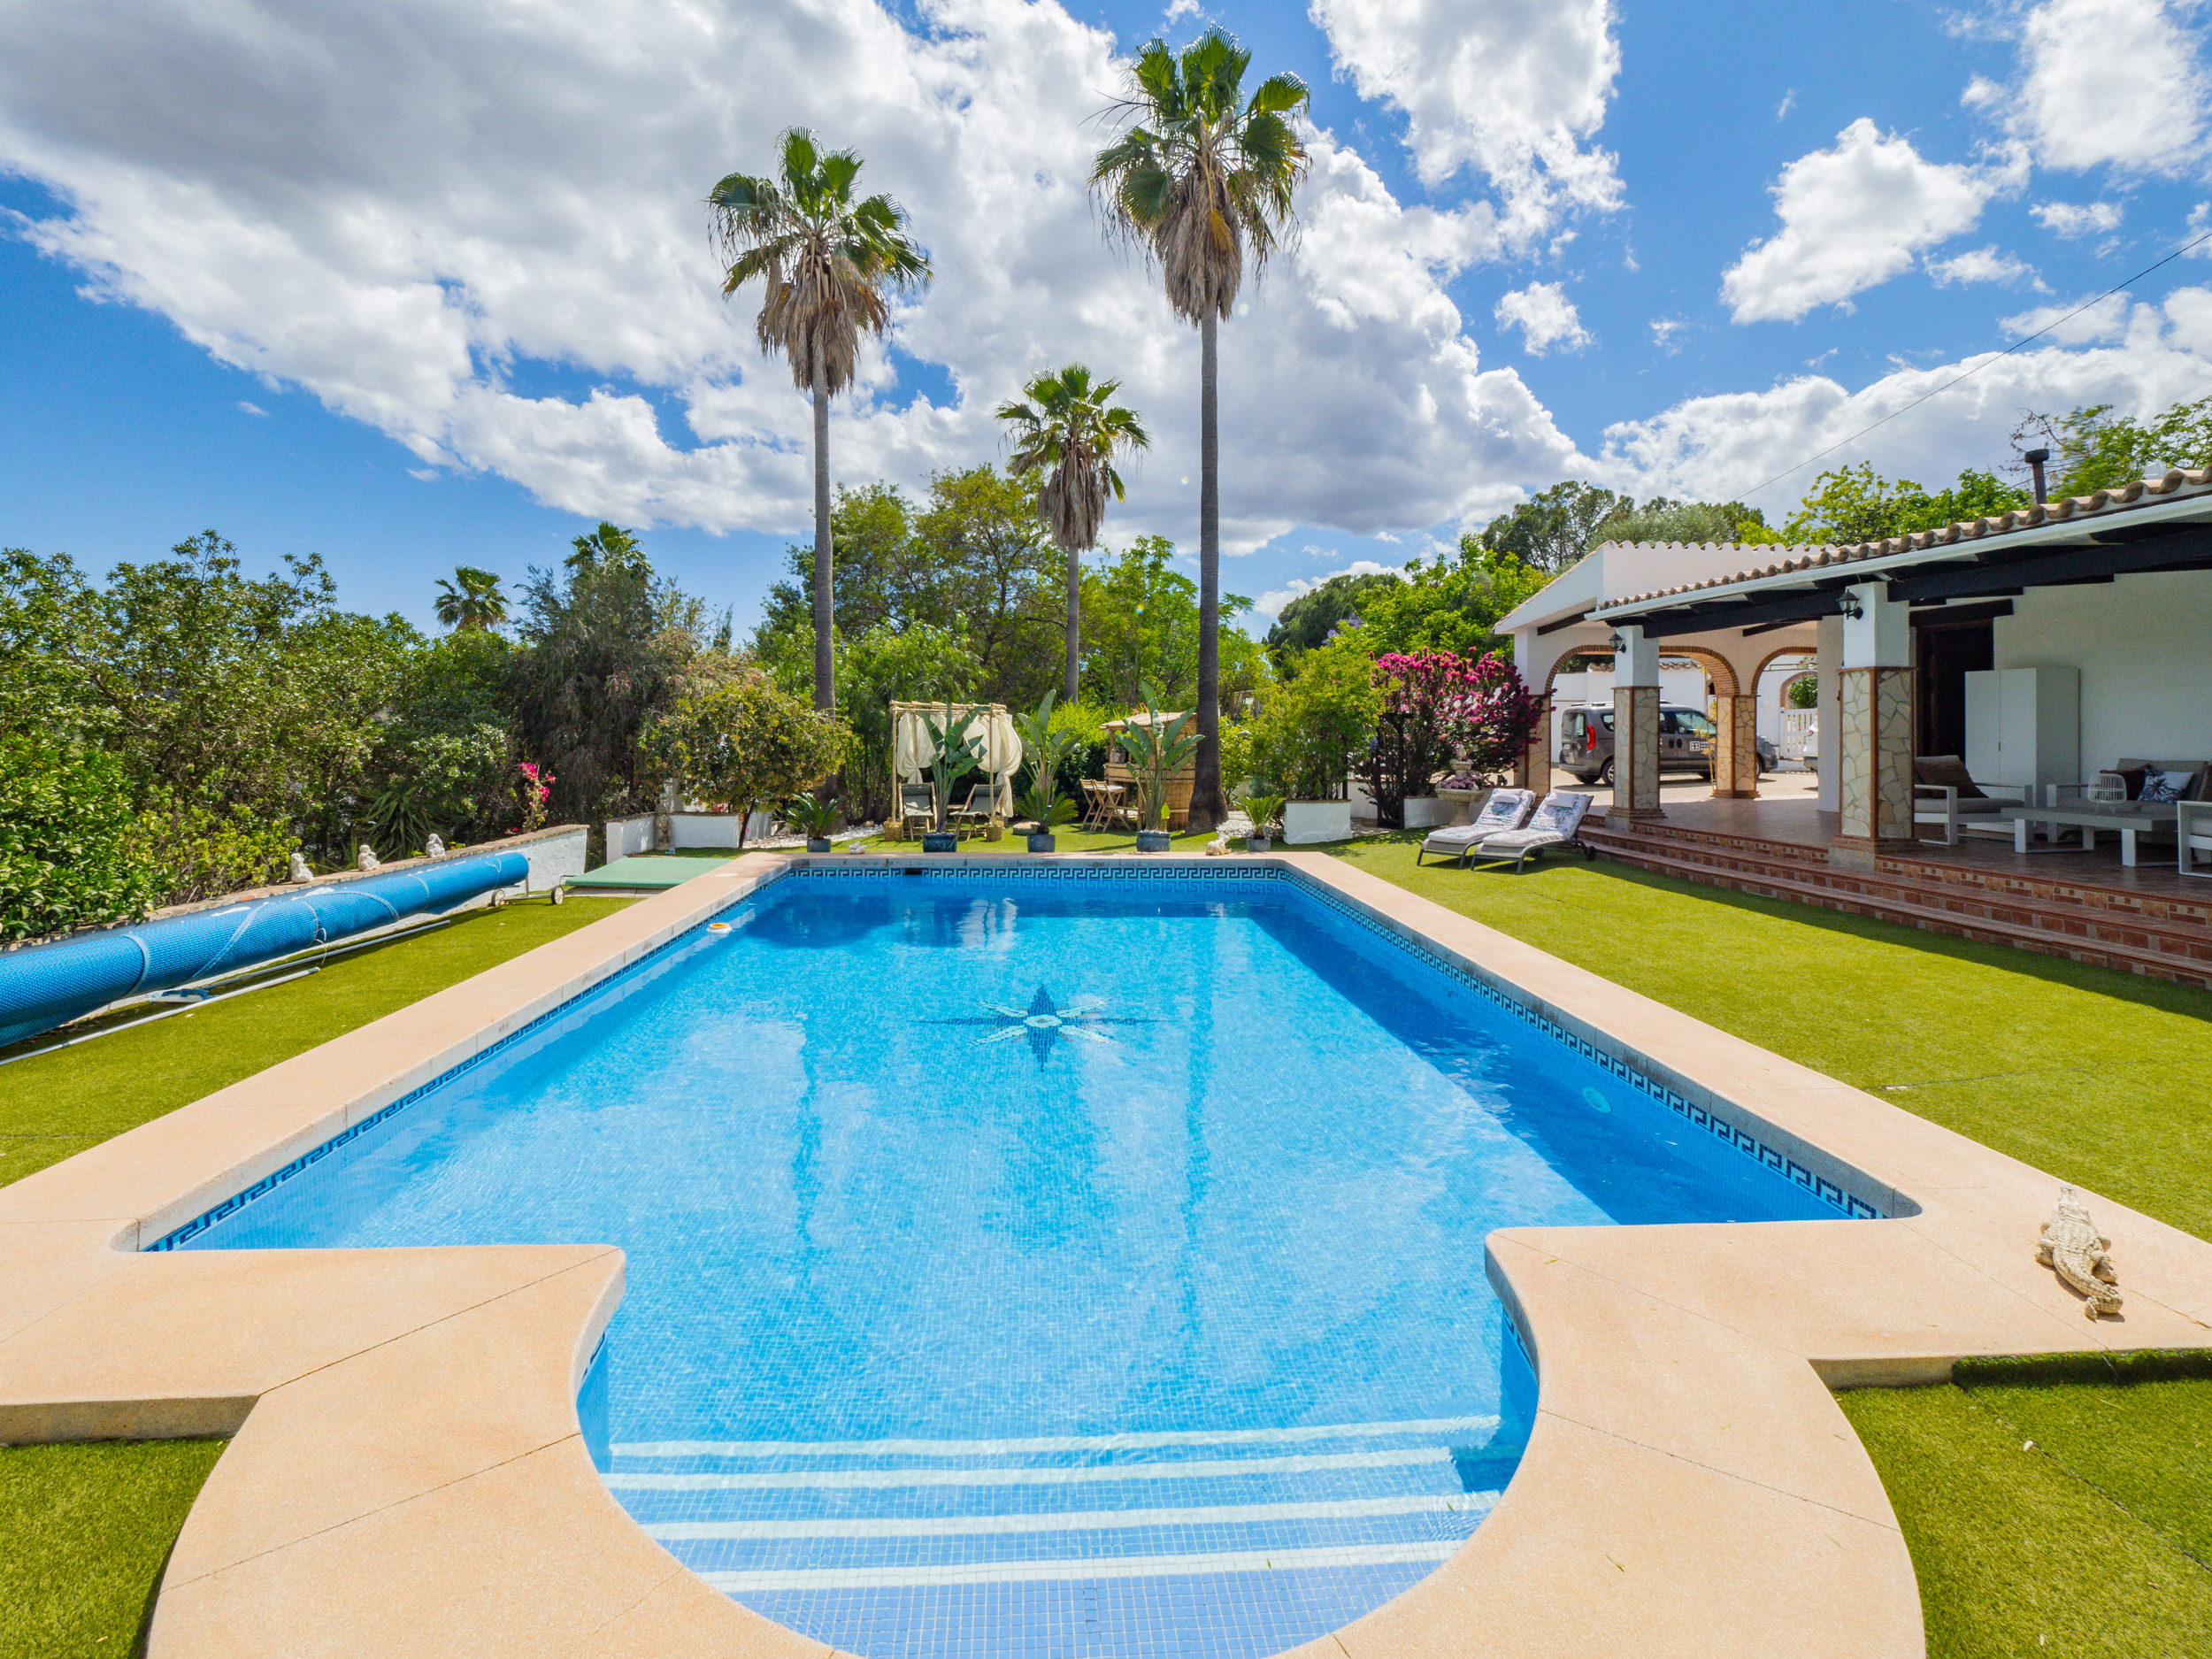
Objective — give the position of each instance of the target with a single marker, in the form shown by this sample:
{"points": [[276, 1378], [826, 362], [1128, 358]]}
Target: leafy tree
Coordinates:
{"points": [[1311, 727], [1556, 526], [1420, 694], [2098, 449], [1203, 179], [604, 655], [67, 857], [473, 602], [828, 261], [1661, 519], [1145, 626], [889, 664], [1311, 618], [734, 738], [879, 577], [1854, 504], [1071, 431], [1449, 604]]}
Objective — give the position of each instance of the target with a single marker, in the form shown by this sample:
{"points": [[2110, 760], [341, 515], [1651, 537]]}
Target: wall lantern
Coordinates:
{"points": [[1850, 606]]}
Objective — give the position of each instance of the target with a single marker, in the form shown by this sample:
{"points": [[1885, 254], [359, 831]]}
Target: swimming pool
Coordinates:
{"points": [[1043, 1260]]}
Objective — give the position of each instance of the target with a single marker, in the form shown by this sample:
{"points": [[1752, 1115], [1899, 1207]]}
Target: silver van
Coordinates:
{"points": [[1686, 743]]}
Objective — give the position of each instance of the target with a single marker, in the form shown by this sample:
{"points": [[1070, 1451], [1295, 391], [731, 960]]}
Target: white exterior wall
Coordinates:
{"points": [[2143, 646]]}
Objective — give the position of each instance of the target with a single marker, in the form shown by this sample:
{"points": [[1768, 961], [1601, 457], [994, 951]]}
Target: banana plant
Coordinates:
{"points": [[1045, 750], [959, 750], [1156, 752]]}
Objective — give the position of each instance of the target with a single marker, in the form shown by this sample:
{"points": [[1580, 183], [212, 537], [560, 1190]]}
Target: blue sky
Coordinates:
{"points": [[409, 289]]}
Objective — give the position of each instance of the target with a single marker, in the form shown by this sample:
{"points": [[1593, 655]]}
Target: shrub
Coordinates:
{"points": [[734, 736], [1494, 717], [67, 857], [1305, 740], [1421, 695], [199, 851]]}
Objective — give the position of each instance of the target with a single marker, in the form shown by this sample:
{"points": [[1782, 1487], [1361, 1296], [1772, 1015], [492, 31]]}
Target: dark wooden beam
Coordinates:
{"points": [[1942, 617], [1564, 622], [2186, 550]]}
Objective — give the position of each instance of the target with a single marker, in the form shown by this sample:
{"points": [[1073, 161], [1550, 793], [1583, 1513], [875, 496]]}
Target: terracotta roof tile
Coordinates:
{"points": [[2143, 491]]}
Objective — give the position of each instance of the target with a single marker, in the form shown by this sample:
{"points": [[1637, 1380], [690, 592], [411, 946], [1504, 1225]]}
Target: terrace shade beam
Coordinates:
{"points": [[1778, 611], [2190, 549], [1565, 622]]}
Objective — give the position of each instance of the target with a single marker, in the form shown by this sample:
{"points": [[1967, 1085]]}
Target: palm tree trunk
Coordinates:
{"points": [[1207, 808], [824, 612], [1075, 624]]}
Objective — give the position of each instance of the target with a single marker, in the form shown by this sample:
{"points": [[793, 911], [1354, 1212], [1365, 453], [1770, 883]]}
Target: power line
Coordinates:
{"points": [[1979, 367]]}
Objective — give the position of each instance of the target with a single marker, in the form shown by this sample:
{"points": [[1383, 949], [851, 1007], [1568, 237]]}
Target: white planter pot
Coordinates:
{"points": [[1426, 811], [1305, 821]]}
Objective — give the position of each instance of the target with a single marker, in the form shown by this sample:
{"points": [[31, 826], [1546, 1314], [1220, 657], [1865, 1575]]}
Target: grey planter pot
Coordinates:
{"points": [[1258, 844], [1041, 842], [940, 841], [817, 844], [1152, 841]]}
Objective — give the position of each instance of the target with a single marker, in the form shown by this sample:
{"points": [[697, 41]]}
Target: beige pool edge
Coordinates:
{"points": [[408, 1475]]}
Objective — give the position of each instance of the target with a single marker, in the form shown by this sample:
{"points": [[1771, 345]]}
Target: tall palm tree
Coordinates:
{"points": [[1070, 430], [828, 262], [472, 601], [1200, 178]]}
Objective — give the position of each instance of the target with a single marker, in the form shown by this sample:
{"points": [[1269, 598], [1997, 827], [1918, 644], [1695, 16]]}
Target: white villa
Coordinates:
{"points": [[2042, 649]]}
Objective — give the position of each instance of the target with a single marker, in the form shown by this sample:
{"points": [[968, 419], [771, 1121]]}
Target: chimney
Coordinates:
{"points": [[2035, 459]]}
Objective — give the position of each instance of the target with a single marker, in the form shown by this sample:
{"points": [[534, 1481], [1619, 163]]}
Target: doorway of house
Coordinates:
{"points": [[1946, 649]]}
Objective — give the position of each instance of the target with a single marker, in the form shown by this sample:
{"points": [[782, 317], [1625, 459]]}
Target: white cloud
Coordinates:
{"points": [[412, 210], [1788, 103], [252, 408], [1722, 448], [1546, 318], [1179, 9], [2071, 219], [1270, 604], [1513, 89], [1664, 329], [1855, 216], [1982, 264], [2106, 320], [2110, 81]]}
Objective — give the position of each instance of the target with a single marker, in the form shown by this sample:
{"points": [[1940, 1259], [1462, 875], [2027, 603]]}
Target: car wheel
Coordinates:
{"points": [[1605, 774]]}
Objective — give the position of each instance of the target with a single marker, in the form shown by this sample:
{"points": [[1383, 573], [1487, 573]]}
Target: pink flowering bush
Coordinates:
{"points": [[1435, 703], [536, 788]]}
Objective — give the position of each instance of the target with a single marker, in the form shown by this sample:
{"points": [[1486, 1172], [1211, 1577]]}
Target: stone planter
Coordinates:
{"points": [[1041, 841], [940, 841], [1427, 811], [1464, 803], [817, 844], [1152, 841], [1308, 821]]}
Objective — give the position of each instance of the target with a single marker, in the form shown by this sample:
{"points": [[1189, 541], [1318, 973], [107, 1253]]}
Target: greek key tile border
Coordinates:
{"points": [[1178, 874]]}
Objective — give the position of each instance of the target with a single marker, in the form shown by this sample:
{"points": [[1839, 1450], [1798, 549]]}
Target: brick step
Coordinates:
{"points": [[2167, 952], [1965, 885]]}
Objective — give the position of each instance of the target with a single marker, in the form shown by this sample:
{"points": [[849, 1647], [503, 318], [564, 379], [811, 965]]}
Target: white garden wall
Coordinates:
{"points": [[2143, 646]]}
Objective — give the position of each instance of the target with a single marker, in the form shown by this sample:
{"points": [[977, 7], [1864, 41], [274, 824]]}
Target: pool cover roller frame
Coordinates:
{"points": [[43, 985]]}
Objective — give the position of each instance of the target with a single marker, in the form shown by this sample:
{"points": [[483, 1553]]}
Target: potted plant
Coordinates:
{"points": [[1046, 750], [1157, 750], [1304, 741], [957, 750], [1266, 812], [814, 816]]}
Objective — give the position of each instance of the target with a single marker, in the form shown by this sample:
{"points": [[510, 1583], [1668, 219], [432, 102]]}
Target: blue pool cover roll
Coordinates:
{"points": [[45, 985]]}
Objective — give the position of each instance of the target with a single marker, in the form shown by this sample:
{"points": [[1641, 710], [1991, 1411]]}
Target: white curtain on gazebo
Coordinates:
{"points": [[913, 750]]}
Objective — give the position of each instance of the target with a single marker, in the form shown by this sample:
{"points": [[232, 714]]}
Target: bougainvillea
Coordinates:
{"points": [[1436, 705]]}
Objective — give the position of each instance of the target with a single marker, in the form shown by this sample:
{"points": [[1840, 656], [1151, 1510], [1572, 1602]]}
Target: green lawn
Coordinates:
{"points": [[2096, 1541], [84, 1533], [63, 1102]]}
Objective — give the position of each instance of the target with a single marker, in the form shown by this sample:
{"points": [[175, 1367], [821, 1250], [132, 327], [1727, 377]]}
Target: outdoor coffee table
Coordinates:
{"points": [[2088, 821]]}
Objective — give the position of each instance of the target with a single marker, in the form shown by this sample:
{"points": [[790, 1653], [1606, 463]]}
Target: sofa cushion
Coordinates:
{"points": [[2162, 786], [2131, 773], [1939, 770]]}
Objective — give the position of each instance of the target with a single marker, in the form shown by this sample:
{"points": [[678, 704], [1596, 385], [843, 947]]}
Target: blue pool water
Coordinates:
{"points": [[1045, 1265]]}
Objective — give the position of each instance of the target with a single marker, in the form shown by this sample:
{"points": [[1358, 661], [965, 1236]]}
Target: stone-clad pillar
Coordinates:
{"points": [[1635, 726], [1874, 745], [1532, 769], [1736, 747]]}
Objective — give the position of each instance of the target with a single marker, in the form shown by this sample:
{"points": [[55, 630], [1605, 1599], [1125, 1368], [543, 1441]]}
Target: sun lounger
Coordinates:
{"points": [[1556, 823], [1505, 810]]}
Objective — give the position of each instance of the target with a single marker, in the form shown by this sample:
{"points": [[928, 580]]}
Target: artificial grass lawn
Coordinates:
{"points": [[1070, 841], [2094, 1075], [84, 1532], [60, 1104], [2051, 1516]]}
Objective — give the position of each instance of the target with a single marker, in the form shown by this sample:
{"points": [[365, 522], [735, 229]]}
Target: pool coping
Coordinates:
{"points": [[407, 1474]]}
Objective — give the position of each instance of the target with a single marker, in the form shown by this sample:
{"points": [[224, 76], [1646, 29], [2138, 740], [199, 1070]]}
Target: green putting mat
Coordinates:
{"points": [[645, 870]]}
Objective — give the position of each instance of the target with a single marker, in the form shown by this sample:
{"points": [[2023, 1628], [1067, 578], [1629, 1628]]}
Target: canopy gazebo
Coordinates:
{"points": [[914, 749]]}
